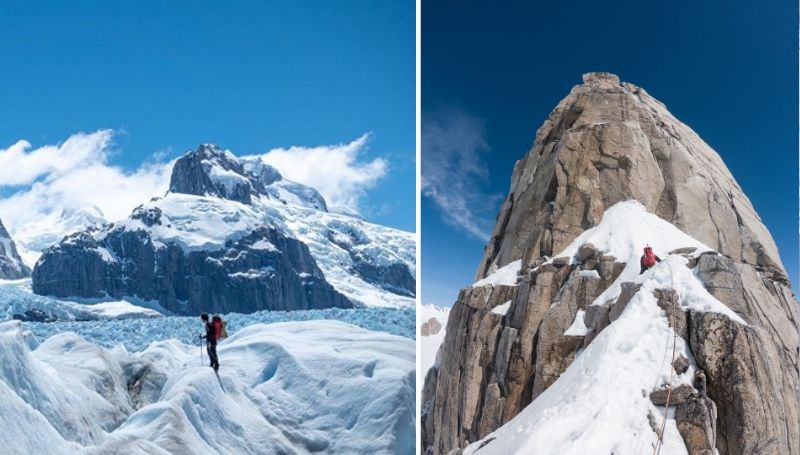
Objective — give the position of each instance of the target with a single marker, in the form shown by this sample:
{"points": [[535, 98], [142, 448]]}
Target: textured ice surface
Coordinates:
{"points": [[137, 334], [291, 387]]}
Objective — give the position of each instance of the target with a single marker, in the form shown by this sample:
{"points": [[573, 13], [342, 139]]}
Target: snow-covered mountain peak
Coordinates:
{"points": [[210, 170], [268, 242], [563, 331]]}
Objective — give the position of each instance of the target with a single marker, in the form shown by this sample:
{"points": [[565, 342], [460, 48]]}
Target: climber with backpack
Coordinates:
{"points": [[215, 330], [648, 259]]}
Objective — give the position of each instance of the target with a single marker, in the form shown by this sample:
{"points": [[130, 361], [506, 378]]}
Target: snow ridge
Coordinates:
{"points": [[600, 404]]}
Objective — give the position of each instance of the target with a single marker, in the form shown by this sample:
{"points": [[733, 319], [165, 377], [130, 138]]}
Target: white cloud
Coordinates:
{"points": [[72, 176], [19, 165], [334, 170], [454, 174]]}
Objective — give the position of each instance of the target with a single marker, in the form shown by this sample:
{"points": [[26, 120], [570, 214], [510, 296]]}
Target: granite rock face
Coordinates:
{"points": [[608, 142], [11, 265]]}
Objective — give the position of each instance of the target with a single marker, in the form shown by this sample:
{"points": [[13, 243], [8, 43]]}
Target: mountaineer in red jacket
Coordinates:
{"points": [[648, 260]]}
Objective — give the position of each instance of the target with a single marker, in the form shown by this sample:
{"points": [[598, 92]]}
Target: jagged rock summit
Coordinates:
{"points": [[608, 142], [212, 171], [232, 235], [11, 265], [560, 344]]}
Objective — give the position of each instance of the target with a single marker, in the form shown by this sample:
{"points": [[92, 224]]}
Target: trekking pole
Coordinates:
{"points": [[201, 352]]}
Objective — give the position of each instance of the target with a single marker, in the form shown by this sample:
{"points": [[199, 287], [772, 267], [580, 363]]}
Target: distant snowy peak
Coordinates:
{"points": [[11, 265], [37, 235], [211, 171]]}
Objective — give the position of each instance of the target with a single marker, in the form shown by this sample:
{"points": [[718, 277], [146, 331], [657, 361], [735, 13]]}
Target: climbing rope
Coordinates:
{"points": [[673, 298]]}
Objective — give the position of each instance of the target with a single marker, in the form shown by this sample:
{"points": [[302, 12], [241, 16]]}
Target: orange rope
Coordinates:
{"points": [[673, 300]]}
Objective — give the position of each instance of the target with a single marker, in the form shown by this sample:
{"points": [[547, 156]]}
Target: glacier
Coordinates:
{"points": [[292, 387]]}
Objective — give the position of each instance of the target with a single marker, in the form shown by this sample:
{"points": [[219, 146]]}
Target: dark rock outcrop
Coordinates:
{"points": [[605, 143], [677, 395], [211, 171], [237, 278], [11, 265]]}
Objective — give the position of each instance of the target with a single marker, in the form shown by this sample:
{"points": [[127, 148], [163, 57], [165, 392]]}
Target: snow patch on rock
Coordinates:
{"points": [[506, 275], [502, 309]]}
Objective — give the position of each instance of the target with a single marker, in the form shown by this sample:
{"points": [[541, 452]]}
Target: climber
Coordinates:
{"points": [[648, 260], [211, 336]]}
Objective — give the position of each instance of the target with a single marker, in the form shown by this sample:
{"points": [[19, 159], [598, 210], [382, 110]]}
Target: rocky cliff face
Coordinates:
{"points": [[605, 143], [11, 265], [261, 271], [232, 235]]}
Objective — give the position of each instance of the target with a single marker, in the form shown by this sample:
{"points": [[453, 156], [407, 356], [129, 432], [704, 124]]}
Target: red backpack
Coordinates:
{"points": [[649, 258], [216, 323]]}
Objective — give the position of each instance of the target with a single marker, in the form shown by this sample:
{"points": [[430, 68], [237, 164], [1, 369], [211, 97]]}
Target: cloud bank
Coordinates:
{"points": [[75, 176], [454, 174], [336, 171]]}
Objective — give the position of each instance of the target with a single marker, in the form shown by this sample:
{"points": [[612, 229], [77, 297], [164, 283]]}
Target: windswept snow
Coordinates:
{"points": [[506, 275], [624, 231], [225, 179], [34, 236], [264, 245], [333, 239], [197, 222], [295, 387], [601, 402], [589, 274], [626, 228]]}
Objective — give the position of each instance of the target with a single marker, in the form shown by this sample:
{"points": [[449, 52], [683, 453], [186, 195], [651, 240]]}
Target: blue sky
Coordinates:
{"points": [[248, 75], [726, 69]]}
